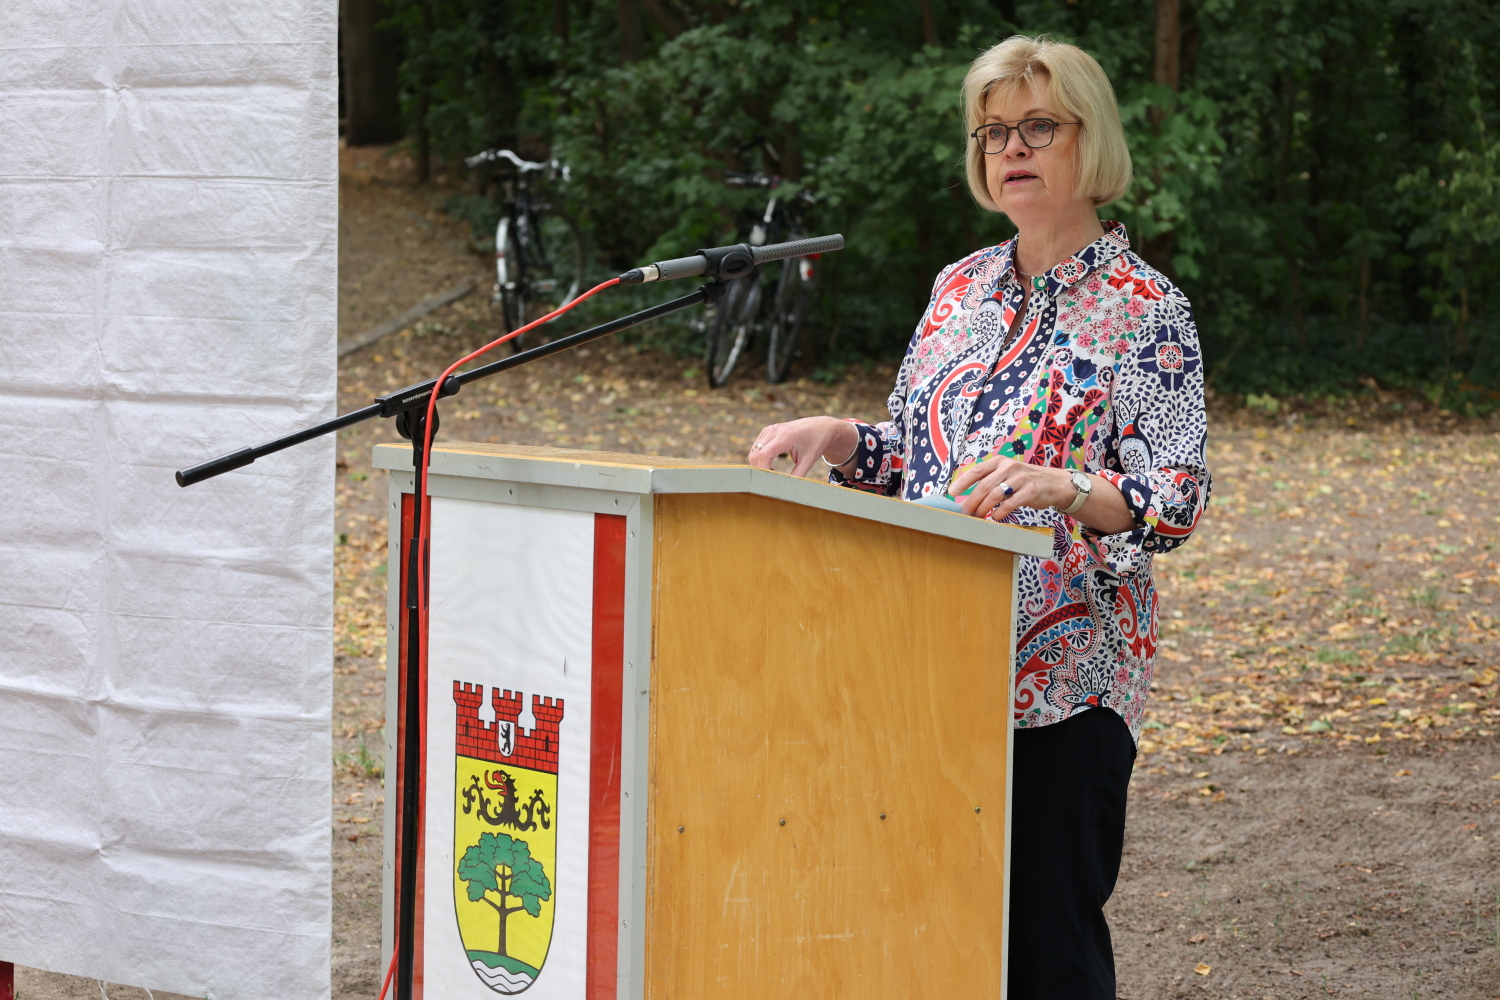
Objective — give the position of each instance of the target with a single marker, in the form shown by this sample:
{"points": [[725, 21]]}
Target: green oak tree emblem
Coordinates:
{"points": [[500, 871]]}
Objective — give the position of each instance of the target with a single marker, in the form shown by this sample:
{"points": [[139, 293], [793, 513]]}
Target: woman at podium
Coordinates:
{"points": [[1054, 380]]}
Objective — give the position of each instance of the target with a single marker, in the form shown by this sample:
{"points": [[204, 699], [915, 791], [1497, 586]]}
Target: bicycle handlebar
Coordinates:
{"points": [[525, 166], [737, 179], [750, 180]]}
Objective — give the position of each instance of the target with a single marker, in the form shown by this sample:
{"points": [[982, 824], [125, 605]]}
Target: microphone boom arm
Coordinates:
{"points": [[414, 397], [728, 263]]}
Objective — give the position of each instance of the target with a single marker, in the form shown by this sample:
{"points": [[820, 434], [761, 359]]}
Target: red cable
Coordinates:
{"points": [[425, 506], [424, 503], [390, 971]]}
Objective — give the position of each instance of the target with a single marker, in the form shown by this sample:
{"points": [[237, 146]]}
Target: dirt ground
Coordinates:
{"points": [[1314, 809]]}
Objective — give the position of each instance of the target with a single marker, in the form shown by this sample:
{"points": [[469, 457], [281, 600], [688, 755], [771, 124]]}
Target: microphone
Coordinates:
{"points": [[730, 262]]}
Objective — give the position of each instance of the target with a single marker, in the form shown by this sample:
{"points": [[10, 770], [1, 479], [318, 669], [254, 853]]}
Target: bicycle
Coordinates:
{"points": [[525, 273], [738, 320]]}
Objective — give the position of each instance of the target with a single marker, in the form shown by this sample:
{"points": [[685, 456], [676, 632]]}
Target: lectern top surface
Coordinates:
{"points": [[651, 474], [543, 453]]}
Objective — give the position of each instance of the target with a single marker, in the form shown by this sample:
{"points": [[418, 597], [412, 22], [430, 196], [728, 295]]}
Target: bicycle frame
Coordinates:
{"points": [[524, 268], [757, 304], [520, 218]]}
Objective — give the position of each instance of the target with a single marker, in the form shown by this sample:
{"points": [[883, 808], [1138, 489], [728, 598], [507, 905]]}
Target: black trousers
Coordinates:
{"points": [[1067, 832]]}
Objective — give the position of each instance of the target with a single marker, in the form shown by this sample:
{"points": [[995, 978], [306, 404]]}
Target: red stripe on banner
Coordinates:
{"points": [[604, 762], [408, 507]]}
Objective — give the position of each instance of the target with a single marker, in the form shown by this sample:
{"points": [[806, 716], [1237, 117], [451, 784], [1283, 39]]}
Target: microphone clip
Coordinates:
{"points": [[728, 263]]}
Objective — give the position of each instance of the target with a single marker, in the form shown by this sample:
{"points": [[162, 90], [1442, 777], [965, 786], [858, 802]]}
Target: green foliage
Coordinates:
{"points": [[1458, 202], [481, 213], [503, 865], [1322, 183]]}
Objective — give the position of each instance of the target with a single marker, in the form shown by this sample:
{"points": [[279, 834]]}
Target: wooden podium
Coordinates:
{"points": [[702, 731]]}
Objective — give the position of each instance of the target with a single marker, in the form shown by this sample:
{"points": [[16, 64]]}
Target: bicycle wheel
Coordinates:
{"points": [[510, 281], [788, 316], [733, 329]]}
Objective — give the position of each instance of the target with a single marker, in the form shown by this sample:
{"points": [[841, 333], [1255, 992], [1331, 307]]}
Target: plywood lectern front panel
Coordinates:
{"points": [[830, 722]]}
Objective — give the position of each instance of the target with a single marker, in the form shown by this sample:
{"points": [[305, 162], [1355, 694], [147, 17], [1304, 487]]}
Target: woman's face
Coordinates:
{"points": [[1033, 186]]}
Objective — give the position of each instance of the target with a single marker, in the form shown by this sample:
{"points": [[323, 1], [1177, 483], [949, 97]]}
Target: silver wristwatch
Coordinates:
{"points": [[1083, 484]]}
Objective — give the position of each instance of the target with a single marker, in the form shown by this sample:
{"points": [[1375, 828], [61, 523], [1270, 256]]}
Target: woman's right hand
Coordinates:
{"points": [[805, 440]]}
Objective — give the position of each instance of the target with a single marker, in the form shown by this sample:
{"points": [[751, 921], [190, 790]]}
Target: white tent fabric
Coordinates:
{"points": [[168, 221]]}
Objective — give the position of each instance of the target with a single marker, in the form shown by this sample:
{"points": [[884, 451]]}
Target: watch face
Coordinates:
{"points": [[1081, 482]]}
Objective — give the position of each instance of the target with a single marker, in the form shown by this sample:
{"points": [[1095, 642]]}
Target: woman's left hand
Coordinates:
{"points": [[1003, 484]]}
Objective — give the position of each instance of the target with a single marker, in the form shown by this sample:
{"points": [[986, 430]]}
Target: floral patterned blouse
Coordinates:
{"points": [[1103, 375]]}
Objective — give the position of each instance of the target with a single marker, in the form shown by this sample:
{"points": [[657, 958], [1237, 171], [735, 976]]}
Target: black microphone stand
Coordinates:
{"points": [[409, 407]]}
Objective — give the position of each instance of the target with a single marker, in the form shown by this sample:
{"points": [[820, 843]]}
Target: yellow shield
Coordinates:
{"points": [[505, 836]]}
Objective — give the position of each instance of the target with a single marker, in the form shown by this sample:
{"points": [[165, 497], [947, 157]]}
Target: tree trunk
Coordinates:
{"points": [[1364, 300], [505, 913], [1167, 57], [1007, 11], [1463, 321], [424, 146], [1189, 38], [1288, 247], [629, 13], [1168, 47], [667, 21], [424, 98], [929, 24], [371, 58], [1159, 249], [560, 19], [791, 153]]}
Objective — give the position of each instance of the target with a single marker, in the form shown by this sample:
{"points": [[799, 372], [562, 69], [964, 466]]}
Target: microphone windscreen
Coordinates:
{"points": [[798, 248]]}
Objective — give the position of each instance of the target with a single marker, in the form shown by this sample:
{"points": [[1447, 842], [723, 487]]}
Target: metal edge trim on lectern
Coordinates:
{"points": [[645, 478]]}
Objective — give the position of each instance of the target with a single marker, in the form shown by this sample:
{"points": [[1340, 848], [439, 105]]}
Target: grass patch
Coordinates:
{"points": [[362, 761], [1426, 598], [1420, 641]]}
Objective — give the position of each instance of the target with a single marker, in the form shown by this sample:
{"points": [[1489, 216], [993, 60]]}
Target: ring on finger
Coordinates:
{"points": [[1008, 490]]}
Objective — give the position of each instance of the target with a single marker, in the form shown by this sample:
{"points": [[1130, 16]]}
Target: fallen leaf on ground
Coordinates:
{"points": [[1203, 968]]}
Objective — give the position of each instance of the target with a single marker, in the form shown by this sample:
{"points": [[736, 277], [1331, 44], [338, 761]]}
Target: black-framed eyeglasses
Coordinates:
{"points": [[1036, 133]]}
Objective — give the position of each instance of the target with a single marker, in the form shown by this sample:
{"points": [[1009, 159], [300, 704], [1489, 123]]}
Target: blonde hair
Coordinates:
{"points": [[1076, 85]]}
